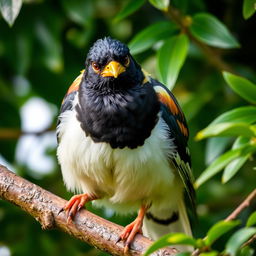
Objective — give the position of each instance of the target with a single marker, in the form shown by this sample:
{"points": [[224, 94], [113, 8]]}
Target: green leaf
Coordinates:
{"points": [[216, 146], [249, 8], [183, 254], [208, 29], [152, 34], [241, 86], [219, 229], [240, 141], [251, 220], [232, 168], [131, 7], [246, 251], [212, 253], [238, 239], [160, 4], [245, 114], [171, 57], [171, 239], [226, 129], [221, 162], [180, 238], [10, 10]]}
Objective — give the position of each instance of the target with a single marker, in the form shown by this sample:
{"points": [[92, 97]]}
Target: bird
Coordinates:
{"points": [[123, 144]]}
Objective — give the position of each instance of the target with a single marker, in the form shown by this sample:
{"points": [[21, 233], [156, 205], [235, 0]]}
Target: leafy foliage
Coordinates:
{"points": [[171, 56], [203, 246], [238, 122], [210, 30], [203, 50]]}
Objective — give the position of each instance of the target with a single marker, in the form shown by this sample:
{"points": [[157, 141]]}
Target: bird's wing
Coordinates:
{"points": [[67, 102], [175, 119]]}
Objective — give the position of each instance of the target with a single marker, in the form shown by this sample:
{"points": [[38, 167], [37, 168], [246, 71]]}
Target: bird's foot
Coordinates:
{"points": [[129, 233], [132, 229], [75, 204]]}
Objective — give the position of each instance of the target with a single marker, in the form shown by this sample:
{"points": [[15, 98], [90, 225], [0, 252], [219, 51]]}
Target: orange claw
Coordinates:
{"points": [[75, 204], [133, 228]]}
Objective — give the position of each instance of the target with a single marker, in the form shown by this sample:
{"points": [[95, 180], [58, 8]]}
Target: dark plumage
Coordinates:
{"points": [[102, 52], [123, 143], [120, 111]]}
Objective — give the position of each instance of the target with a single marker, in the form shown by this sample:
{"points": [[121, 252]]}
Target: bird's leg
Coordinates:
{"points": [[75, 204], [133, 228]]}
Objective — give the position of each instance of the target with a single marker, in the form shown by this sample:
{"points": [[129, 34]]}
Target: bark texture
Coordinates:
{"points": [[45, 206]]}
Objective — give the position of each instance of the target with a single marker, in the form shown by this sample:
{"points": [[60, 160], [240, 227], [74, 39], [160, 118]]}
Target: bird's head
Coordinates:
{"points": [[109, 64]]}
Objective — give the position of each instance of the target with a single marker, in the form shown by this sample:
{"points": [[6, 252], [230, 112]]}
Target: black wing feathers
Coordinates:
{"points": [[175, 119]]}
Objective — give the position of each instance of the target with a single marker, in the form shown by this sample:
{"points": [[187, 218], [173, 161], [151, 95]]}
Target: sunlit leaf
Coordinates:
{"points": [[251, 220], [245, 114], [171, 57], [226, 129], [183, 254], [238, 239], [219, 229], [208, 29], [160, 4], [241, 86], [171, 239], [131, 7], [180, 238], [150, 35], [10, 10], [218, 164], [212, 253], [249, 8]]}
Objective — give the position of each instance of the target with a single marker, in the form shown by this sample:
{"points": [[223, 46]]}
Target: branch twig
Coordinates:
{"points": [[233, 216], [13, 134], [212, 56], [242, 206], [45, 206]]}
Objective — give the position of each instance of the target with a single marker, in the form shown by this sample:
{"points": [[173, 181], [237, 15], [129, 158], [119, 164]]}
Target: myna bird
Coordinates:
{"points": [[123, 144]]}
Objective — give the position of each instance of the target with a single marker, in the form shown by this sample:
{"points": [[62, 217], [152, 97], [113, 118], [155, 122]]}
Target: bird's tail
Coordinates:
{"points": [[161, 222]]}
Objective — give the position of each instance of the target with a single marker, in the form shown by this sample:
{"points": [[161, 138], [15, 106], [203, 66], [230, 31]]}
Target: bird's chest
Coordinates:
{"points": [[121, 175], [121, 119]]}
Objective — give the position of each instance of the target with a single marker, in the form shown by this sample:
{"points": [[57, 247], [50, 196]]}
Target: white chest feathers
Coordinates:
{"points": [[118, 176]]}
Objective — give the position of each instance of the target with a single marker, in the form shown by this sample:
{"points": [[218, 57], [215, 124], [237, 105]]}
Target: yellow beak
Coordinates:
{"points": [[113, 68]]}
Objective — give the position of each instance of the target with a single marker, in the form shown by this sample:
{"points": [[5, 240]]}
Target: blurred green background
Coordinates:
{"points": [[44, 51]]}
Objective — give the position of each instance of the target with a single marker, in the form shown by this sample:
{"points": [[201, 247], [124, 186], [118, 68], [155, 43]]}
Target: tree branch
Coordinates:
{"points": [[14, 134], [45, 206], [242, 206]]}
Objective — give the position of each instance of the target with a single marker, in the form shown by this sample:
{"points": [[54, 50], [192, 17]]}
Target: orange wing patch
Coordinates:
{"points": [[166, 99], [75, 85], [183, 128]]}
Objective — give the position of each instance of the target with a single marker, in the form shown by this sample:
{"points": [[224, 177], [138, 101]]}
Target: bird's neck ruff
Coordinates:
{"points": [[122, 118]]}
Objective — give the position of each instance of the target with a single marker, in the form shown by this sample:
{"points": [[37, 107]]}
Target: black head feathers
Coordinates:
{"points": [[108, 54], [107, 48]]}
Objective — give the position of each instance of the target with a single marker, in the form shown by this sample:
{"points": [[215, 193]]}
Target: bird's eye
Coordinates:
{"points": [[95, 67], [126, 61]]}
